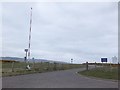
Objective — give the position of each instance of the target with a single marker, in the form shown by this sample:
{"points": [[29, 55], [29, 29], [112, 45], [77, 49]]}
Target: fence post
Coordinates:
{"points": [[62, 67], [48, 68], [13, 66], [95, 64], [54, 65], [33, 64], [86, 65]]}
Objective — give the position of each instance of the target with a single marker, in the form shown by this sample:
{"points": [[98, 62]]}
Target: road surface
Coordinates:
{"points": [[57, 79]]}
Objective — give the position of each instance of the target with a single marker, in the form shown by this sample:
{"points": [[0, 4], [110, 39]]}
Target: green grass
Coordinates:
{"points": [[104, 72], [20, 68]]}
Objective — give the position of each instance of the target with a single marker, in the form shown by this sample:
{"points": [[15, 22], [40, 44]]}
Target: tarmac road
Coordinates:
{"points": [[57, 79]]}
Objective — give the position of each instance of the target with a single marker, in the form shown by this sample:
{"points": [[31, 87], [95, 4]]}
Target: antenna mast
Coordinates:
{"points": [[30, 36]]}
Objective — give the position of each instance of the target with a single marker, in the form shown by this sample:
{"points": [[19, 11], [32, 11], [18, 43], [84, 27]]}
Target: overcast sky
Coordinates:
{"points": [[61, 31]]}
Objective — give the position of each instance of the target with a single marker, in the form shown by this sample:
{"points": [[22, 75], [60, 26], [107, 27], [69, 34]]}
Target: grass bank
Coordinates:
{"points": [[102, 72]]}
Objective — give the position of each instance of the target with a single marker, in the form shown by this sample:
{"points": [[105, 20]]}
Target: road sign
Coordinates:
{"points": [[71, 60], [103, 59]]}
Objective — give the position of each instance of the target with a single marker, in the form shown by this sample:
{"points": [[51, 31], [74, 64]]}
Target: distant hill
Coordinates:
{"points": [[12, 58], [36, 60]]}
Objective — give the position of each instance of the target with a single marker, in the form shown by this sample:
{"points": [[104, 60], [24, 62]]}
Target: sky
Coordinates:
{"points": [[84, 31]]}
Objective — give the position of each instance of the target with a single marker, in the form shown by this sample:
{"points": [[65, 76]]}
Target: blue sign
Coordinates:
{"points": [[103, 59]]}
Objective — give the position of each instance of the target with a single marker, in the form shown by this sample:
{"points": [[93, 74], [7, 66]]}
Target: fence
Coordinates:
{"points": [[16, 68]]}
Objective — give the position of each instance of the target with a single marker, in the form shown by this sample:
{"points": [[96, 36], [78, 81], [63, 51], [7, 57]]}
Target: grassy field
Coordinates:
{"points": [[19, 68], [102, 72]]}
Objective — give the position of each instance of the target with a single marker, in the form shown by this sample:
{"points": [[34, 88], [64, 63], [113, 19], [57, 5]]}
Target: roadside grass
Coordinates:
{"points": [[102, 72], [19, 68]]}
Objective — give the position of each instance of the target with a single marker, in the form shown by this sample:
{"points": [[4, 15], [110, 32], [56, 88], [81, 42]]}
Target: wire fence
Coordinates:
{"points": [[16, 68]]}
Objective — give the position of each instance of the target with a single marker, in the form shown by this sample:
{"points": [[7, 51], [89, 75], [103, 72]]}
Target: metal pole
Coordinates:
{"points": [[29, 36]]}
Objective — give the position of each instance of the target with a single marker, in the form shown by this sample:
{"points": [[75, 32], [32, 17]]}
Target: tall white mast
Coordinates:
{"points": [[30, 36]]}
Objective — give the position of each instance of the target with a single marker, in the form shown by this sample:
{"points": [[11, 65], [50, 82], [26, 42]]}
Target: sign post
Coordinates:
{"points": [[103, 60]]}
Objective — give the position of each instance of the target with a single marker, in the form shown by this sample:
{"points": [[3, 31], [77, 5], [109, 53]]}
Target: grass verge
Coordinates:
{"points": [[103, 72]]}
